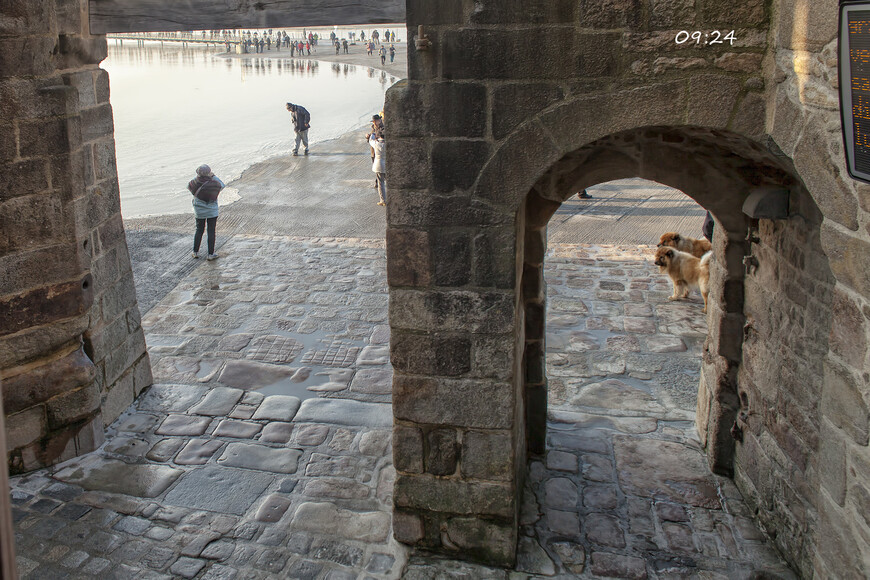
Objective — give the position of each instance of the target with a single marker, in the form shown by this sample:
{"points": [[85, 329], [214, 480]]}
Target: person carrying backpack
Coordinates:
{"points": [[301, 123]]}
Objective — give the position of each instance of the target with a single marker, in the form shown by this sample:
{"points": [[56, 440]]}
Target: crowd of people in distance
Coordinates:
{"points": [[259, 42]]}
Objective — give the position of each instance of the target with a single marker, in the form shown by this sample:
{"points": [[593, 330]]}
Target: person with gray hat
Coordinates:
{"points": [[205, 190], [301, 123]]}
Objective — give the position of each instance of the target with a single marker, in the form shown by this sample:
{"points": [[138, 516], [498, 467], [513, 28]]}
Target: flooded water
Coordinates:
{"points": [[176, 108]]}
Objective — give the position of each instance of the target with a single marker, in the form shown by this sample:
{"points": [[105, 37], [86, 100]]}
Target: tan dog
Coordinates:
{"points": [[686, 272], [686, 244]]}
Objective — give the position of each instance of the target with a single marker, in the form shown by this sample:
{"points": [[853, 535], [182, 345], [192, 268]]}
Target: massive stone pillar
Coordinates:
{"points": [[72, 352]]}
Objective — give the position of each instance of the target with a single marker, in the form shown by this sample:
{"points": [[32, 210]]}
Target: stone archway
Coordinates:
{"points": [[694, 160]]}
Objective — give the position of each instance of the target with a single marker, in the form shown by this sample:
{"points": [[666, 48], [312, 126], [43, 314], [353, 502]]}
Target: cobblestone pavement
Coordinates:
{"points": [[263, 450]]}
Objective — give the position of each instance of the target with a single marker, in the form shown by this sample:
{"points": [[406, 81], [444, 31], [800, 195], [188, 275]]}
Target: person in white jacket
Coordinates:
{"points": [[376, 140]]}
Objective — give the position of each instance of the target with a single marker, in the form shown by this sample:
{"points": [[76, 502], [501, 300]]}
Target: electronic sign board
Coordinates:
{"points": [[854, 71]]}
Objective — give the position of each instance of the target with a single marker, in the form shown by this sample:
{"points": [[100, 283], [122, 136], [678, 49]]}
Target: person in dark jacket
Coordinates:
{"points": [[205, 189], [301, 123]]}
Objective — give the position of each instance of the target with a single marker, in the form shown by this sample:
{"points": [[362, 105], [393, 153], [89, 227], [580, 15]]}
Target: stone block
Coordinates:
{"points": [[532, 12], [484, 540], [69, 17], [119, 297], [123, 358], [441, 452], [326, 518], [446, 12], [843, 405], [451, 257], [45, 137], [8, 148], [407, 527], [712, 99], [104, 161], [832, 462], [494, 258], [492, 356], [835, 198], [114, 476], [32, 217], [83, 83], [23, 178], [408, 163], [467, 403], [426, 209], [848, 335], [458, 311], [117, 398], [456, 164], [75, 51], [72, 406], [97, 123], [504, 54], [849, 257], [260, 457], [745, 13], [836, 545], [488, 455], [430, 354], [39, 382], [618, 566], [432, 493], [101, 85], [25, 427], [219, 401], [344, 412], [515, 104], [611, 14], [408, 449], [670, 14], [803, 28], [30, 59], [455, 109], [104, 337]]}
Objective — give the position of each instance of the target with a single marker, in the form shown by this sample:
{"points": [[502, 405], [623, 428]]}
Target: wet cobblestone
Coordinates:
{"points": [[287, 470]]}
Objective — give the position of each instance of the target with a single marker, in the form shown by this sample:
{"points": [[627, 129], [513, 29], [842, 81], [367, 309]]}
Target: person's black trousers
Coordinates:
{"points": [[200, 227]]}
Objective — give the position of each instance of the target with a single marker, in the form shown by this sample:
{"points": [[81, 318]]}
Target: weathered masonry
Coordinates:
{"points": [[510, 107]]}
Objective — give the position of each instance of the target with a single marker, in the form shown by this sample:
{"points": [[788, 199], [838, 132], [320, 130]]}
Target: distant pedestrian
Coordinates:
{"points": [[337, 47], [344, 45], [376, 141], [205, 189], [301, 123], [292, 48], [392, 52], [308, 48], [377, 126], [383, 54]]}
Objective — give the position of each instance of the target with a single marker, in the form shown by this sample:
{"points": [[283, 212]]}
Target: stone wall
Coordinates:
{"points": [[804, 459], [513, 107], [72, 353]]}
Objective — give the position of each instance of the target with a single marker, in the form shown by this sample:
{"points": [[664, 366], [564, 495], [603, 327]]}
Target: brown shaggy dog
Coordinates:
{"points": [[686, 244], [686, 272]]}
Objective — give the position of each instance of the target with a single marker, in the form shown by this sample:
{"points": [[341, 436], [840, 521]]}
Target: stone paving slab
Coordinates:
{"points": [[622, 491], [219, 489], [345, 412]]}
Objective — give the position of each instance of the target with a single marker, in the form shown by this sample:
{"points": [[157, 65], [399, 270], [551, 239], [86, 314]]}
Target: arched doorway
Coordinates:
{"points": [[716, 169]]}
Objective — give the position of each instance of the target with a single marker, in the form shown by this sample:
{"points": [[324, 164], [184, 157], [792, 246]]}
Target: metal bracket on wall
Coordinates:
{"points": [[422, 42], [750, 262]]}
